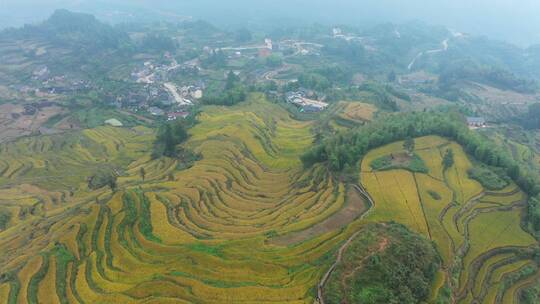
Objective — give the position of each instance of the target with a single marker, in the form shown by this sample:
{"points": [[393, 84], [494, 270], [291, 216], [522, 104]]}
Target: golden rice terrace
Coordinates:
{"points": [[245, 224]]}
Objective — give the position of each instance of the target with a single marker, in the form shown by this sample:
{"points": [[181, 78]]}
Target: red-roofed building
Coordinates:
{"points": [[263, 53]]}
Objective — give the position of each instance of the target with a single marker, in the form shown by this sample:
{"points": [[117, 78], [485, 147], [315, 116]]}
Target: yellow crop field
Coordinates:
{"points": [[475, 230], [203, 236], [4, 292], [357, 111], [25, 275], [399, 201], [246, 223], [487, 269], [47, 287]]}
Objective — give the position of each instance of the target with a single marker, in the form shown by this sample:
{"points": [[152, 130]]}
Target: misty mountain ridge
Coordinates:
{"points": [[71, 29], [380, 49]]}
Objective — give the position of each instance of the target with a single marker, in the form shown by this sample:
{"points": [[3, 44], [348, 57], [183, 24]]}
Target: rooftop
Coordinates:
{"points": [[476, 120]]}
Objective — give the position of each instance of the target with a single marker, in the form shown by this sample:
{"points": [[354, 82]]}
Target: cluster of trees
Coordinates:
{"points": [[243, 35], [217, 59], [382, 96], [352, 52], [81, 31], [343, 150], [398, 266], [157, 42], [415, 164], [466, 70], [274, 61], [534, 214], [409, 145], [448, 159], [488, 178], [233, 93], [199, 28], [169, 136], [314, 81], [102, 179], [5, 217], [531, 120], [324, 78]]}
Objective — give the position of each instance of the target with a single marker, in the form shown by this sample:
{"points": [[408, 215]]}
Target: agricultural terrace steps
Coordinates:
{"points": [[520, 254], [461, 222], [462, 251], [343, 217], [343, 247]]}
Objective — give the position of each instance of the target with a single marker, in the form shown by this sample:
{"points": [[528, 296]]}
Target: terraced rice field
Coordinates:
{"points": [[202, 235], [357, 111], [477, 232], [346, 114], [246, 224]]}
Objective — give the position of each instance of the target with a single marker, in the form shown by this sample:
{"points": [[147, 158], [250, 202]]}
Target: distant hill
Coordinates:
{"points": [[76, 30]]}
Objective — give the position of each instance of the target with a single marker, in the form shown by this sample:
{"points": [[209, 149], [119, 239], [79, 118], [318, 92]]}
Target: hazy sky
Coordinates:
{"points": [[513, 20]]}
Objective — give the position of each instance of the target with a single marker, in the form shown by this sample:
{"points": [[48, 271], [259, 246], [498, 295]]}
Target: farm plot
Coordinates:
{"points": [[477, 232], [357, 111], [200, 235]]}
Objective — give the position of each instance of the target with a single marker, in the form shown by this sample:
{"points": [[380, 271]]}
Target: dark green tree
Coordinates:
{"points": [[170, 135], [232, 80], [392, 76], [243, 35], [448, 159], [5, 217], [112, 183], [274, 61], [142, 173], [408, 145]]}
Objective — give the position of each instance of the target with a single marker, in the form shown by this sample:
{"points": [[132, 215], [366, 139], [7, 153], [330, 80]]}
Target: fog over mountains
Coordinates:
{"points": [[511, 20]]}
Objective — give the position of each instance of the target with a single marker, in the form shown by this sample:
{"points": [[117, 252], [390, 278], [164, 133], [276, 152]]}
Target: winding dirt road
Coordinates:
{"points": [[444, 48], [324, 280]]}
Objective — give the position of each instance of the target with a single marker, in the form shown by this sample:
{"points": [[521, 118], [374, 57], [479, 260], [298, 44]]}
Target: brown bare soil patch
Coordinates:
{"points": [[14, 123], [400, 159], [356, 206]]}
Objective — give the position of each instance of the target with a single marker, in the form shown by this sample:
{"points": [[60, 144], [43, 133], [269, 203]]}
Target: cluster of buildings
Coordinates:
{"points": [[302, 48], [304, 103], [151, 73], [54, 84], [366, 42], [192, 92], [173, 115], [262, 51], [476, 122], [158, 88], [339, 34]]}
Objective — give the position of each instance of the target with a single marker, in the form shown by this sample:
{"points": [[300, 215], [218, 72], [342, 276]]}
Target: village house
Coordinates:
{"points": [[191, 91], [41, 74], [176, 115], [305, 104], [156, 111], [476, 122], [265, 52]]}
